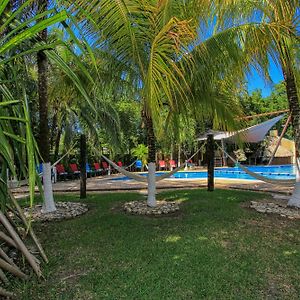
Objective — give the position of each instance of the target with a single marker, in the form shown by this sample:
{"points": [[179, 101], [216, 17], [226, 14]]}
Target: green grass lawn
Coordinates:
{"points": [[213, 249]]}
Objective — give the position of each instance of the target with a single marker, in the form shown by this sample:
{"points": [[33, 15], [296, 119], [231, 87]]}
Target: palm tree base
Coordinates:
{"points": [[49, 205], [151, 200], [295, 199]]}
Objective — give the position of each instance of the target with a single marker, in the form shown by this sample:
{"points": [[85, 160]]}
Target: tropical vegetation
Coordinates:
{"points": [[138, 78]]}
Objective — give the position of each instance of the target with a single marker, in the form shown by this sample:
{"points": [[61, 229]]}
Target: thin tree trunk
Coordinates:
{"points": [[83, 166], [151, 200], [57, 142], [43, 102], [43, 139], [150, 139], [53, 131]]}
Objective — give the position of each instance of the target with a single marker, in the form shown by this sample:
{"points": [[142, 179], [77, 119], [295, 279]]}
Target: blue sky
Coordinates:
{"points": [[256, 82]]}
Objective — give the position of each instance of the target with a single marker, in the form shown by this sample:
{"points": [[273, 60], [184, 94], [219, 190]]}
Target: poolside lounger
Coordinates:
{"points": [[89, 171], [61, 172], [105, 167], [172, 163], [75, 170], [138, 165], [162, 164], [98, 169]]}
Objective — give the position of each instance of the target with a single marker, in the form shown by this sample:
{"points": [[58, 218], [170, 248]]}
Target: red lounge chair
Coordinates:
{"points": [[119, 163], [61, 172], [105, 167], [172, 163], [162, 164], [98, 169], [75, 170]]}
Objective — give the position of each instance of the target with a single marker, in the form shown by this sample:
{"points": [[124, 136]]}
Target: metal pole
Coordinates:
{"points": [[210, 154]]}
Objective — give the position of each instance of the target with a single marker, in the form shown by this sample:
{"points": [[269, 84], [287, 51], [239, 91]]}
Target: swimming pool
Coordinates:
{"points": [[275, 172]]}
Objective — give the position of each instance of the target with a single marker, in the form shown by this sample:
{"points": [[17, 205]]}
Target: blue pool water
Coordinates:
{"points": [[275, 172]]}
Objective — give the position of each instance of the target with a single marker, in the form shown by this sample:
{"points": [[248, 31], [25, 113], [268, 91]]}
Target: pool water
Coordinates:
{"points": [[275, 172]]}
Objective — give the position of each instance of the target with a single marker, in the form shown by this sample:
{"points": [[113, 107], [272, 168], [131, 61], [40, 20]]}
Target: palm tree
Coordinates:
{"points": [[43, 138], [274, 34], [150, 44], [69, 108], [18, 147]]}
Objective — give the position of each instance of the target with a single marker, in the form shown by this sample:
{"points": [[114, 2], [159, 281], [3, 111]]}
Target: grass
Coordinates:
{"points": [[213, 249]]}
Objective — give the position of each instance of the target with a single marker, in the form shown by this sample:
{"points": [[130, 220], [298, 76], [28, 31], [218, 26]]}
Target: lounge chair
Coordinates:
{"points": [[162, 164], [89, 171], [138, 165], [98, 169], [120, 164], [105, 167], [61, 172], [172, 163], [74, 169]]}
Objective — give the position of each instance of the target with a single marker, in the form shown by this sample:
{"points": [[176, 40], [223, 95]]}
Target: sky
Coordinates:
{"points": [[256, 82]]}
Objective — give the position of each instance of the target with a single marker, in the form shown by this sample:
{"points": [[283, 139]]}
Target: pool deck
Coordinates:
{"points": [[104, 184]]}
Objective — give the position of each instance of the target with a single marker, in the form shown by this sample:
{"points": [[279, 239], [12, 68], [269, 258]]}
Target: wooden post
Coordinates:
{"points": [[210, 154], [82, 166]]}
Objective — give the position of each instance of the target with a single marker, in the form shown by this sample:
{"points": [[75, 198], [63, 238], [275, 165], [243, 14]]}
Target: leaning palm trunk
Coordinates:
{"points": [[293, 100]]}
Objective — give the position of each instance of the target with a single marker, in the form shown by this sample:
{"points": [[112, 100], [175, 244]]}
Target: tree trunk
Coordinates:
{"points": [[53, 131], [43, 140], [57, 142], [151, 201], [82, 166], [150, 139], [293, 100]]}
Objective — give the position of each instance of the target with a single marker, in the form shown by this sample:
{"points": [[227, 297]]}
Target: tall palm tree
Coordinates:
{"points": [[150, 43], [281, 44], [17, 143]]}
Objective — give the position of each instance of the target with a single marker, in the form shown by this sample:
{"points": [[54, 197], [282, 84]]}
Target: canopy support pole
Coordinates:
{"points": [[210, 154], [280, 138], [224, 163]]}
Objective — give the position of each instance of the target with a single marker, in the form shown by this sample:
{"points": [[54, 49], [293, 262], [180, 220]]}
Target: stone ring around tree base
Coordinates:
{"points": [[141, 208], [64, 210]]}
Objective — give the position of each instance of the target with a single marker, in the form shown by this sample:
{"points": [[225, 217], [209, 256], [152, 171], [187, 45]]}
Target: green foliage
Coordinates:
{"points": [[140, 152], [18, 150], [254, 104]]}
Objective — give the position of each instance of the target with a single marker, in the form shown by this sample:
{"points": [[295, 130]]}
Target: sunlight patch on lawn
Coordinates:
{"points": [[202, 238], [173, 239], [288, 253]]}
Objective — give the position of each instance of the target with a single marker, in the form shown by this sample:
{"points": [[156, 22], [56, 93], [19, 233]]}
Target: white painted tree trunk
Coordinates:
{"points": [[295, 199], [49, 205], [151, 201]]}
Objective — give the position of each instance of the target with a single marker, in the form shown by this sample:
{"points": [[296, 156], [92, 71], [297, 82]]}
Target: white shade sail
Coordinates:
{"points": [[253, 134]]}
